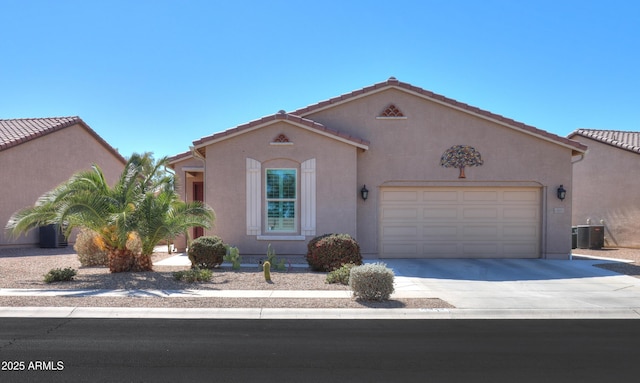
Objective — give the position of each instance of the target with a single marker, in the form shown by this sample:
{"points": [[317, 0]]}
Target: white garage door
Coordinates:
{"points": [[462, 222]]}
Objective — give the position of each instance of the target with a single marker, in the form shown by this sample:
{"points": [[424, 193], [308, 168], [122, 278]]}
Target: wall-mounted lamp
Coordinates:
{"points": [[562, 193], [364, 193]]}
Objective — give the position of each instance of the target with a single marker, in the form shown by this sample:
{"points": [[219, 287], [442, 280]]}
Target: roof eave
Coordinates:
{"points": [[199, 145]]}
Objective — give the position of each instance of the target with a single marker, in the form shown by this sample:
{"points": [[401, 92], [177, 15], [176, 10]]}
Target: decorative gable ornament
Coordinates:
{"points": [[391, 111], [281, 138], [461, 156]]}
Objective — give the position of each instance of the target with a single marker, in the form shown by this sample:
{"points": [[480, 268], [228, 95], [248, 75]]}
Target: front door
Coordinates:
{"points": [[198, 195]]}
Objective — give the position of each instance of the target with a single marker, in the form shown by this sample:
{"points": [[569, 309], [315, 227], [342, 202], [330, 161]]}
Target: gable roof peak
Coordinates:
{"points": [[281, 115], [392, 82]]}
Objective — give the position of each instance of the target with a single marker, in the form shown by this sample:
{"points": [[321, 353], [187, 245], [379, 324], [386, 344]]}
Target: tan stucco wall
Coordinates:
{"points": [[37, 166], [410, 150], [605, 188], [225, 188]]}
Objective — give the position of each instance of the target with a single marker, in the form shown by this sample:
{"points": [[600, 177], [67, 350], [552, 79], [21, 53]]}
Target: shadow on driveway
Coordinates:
{"points": [[497, 269]]}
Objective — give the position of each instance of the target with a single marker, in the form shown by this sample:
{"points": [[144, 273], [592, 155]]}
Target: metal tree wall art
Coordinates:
{"points": [[460, 156]]}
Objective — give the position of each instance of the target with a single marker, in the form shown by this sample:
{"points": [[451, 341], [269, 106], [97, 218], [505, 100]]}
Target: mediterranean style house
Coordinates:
{"points": [[407, 172], [38, 154], [605, 184]]}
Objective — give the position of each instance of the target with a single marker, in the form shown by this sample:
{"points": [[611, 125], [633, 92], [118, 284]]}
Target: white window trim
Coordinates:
{"points": [[308, 197], [296, 202], [281, 238], [254, 197], [306, 201]]}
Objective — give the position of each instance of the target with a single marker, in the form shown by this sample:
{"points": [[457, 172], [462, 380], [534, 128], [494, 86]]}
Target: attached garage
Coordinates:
{"points": [[460, 222]]}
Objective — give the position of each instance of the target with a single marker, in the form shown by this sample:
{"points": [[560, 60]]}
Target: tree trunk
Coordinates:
{"points": [[462, 173], [123, 260], [142, 262], [120, 260]]}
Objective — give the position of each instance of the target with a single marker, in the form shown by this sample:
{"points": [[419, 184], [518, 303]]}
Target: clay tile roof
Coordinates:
{"points": [[181, 156], [392, 82], [281, 115], [621, 139], [14, 132]]}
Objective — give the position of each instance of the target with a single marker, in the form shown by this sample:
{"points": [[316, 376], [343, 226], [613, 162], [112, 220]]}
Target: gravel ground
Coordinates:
{"points": [[24, 269]]}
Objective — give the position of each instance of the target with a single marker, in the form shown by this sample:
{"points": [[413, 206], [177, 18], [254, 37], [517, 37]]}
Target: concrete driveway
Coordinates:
{"points": [[497, 284]]}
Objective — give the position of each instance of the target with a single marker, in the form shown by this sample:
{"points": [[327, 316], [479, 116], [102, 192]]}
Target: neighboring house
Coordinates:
{"points": [[606, 184], [38, 154], [444, 179]]}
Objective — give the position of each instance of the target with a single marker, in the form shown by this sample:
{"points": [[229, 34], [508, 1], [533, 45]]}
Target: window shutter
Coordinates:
{"points": [[254, 191], [308, 197]]}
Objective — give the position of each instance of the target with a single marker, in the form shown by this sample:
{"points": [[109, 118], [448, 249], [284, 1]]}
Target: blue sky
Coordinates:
{"points": [[154, 75]]}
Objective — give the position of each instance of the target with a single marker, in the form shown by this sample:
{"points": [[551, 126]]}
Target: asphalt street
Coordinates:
{"points": [[177, 350]]}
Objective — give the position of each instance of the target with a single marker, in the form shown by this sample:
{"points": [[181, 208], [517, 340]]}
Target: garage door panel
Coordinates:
{"points": [[483, 232], [438, 196], [523, 213], [459, 222], [435, 232], [519, 231], [401, 214], [483, 196], [399, 196], [403, 250], [480, 213], [520, 196], [400, 231], [440, 213], [440, 249], [473, 250]]}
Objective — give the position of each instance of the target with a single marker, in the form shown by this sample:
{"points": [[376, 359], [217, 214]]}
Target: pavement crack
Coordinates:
{"points": [[58, 326], [47, 331], [622, 288]]}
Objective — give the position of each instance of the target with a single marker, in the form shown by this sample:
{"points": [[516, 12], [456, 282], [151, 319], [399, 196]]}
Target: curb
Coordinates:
{"points": [[273, 313]]}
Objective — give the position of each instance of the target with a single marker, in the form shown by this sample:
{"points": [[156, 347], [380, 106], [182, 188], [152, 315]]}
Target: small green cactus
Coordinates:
{"points": [[278, 265], [266, 267], [233, 256]]}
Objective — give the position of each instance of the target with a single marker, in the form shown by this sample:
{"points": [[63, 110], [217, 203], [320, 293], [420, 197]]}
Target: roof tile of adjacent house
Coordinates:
{"points": [[14, 132], [621, 139], [393, 82]]}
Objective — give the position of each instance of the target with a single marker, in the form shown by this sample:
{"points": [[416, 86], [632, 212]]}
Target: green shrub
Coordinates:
{"points": [[340, 275], [60, 275], [193, 275], [371, 282], [90, 253], [330, 251], [207, 252]]}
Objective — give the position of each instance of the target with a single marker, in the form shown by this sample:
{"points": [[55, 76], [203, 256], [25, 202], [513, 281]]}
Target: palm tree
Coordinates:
{"points": [[166, 217], [142, 204]]}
